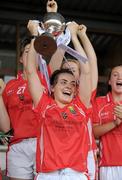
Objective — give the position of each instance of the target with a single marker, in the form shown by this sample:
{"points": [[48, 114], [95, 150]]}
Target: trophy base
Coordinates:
{"points": [[45, 45]]}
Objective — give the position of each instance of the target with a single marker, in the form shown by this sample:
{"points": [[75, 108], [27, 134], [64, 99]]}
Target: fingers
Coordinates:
{"points": [[118, 111], [33, 27], [52, 6], [82, 29], [118, 108], [73, 27], [51, 3]]}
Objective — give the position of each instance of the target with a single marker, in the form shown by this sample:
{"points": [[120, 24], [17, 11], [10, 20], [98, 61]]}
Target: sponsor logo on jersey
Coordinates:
{"points": [[64, 115], [72, 110]]}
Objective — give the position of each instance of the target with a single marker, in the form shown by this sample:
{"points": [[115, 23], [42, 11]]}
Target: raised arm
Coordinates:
{"points": [[35, 86], [89, 50], [84, 81], [57, 58], [4, 117]]}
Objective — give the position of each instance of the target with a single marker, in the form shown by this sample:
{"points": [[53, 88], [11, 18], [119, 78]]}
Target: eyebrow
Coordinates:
{"points": [[67, 80], [115, 72], [73, 81]]}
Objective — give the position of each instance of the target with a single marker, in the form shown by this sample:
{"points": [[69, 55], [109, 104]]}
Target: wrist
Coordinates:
{"points": [[34, 36], [74, 37], [115, 122], [82, 35]]}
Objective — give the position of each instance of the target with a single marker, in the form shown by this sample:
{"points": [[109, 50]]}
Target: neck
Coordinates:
{"points": [[60, 104], [117, 97]]}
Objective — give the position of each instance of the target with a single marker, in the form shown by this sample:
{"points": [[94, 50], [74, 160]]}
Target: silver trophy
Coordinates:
{"points": [[53, 26]]}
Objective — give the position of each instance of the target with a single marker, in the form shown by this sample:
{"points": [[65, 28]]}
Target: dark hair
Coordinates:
{"points": [[55, 75], [108, 78], [25, 41]]}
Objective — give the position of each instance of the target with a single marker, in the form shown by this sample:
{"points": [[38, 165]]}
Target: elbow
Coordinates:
{"points": [[97, 136]]}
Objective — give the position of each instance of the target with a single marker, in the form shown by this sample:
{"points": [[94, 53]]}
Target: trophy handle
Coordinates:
{"points": [[45, 44]]}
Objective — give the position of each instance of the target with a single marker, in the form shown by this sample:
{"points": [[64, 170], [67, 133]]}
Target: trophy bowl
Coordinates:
{"points": [[45, 45], [53, 25]]}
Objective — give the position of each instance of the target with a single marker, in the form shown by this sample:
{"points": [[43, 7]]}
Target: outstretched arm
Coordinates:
{"points": [[84, 80], [35, 86], [89, 50], [4, 118]]}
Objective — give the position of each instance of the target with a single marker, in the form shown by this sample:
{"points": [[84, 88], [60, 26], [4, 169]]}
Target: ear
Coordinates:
{"points": [[76, 92], [21, 60], [109, 82], [52, 89]]}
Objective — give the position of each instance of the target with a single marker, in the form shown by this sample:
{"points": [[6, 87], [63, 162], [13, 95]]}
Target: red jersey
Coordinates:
{"points": [[111, 142], [93, 145], [64, 136], [19, 106], [89, 119]]}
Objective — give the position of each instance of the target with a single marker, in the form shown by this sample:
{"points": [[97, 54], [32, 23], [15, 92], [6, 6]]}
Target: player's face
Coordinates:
{"points": [[73, 67], [23, 58], [65, 89], [116, 80]]}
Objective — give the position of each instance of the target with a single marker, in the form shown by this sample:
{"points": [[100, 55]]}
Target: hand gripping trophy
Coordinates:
{"points": [[52, 26], [53, 33]]}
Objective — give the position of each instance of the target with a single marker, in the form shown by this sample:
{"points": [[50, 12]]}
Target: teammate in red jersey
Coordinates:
{"points": [[16, 96], [23, 121], [108, 127]]}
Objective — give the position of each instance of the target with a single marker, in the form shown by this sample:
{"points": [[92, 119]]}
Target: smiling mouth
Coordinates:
{"points": [[67, 93], [119, 83]]}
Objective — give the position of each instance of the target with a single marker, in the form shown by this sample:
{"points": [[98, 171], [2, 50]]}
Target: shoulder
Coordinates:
{"points": [[11, 83], [101, 102], [45, 101], [14, 84], [101, 99], [80, 105]]}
